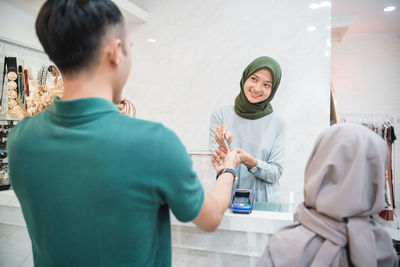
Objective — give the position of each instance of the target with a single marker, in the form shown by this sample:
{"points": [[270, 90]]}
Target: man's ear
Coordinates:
{"points": [[114, 48]]}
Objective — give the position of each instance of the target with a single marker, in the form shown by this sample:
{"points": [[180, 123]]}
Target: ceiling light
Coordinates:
{"points": [[311, 28], [322, 4], [325, 4], [389, 8], [150, 40]]}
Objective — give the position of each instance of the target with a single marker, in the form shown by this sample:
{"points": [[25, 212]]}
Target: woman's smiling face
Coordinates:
{"points": [[258, 86]]}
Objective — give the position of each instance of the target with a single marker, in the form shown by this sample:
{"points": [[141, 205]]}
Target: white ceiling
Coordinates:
{"points": [[365, 16], [348, 16]]}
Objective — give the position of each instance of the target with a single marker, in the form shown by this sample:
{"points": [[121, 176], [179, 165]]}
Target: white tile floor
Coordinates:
{"points": [[15, 246]]}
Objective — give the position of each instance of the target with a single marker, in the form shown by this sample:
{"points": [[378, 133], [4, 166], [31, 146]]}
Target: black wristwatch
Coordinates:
{"points": [[232, 171]]}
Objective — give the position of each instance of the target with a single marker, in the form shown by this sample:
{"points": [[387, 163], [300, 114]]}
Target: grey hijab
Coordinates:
{"points": [[343, 188]]}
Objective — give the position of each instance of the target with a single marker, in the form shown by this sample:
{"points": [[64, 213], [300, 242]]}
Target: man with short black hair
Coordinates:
{"points": [[96, 186]]}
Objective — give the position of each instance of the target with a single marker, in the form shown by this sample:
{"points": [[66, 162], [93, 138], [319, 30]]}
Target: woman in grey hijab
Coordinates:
{"points": [[343, 188]]}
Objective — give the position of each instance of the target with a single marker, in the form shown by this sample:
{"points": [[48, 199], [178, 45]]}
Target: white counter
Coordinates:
{"points": [[239, 240], [263, 222]]}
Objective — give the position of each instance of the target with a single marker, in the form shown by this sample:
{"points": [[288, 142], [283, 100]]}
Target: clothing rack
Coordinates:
{"points": [[379, 119], [374, 118]]}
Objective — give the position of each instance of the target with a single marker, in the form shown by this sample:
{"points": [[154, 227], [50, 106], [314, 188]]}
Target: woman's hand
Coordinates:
{"points": [[221, 132], [232, 159], [247, 159], [223, 159]]}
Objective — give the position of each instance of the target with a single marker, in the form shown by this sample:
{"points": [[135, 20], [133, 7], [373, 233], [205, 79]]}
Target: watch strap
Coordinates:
{"points": [[228, 170]]}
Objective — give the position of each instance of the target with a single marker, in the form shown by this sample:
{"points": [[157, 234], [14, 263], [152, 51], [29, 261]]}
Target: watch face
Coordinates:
{"points": [[11, 76], [12, 85], [253, 170]]}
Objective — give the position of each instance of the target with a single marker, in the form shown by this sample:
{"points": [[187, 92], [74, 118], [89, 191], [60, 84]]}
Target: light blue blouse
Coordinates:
{"points": [[264, 139]]}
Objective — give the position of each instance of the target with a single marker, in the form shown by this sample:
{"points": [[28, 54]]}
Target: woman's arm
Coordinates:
{"points": [[270, 170]]}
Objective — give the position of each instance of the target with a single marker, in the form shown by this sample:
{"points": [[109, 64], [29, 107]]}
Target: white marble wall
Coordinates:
{"points": [[188, 60], [17, 22]]}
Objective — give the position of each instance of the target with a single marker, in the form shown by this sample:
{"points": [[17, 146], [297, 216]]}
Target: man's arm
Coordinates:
{"points": [[217, 200]]}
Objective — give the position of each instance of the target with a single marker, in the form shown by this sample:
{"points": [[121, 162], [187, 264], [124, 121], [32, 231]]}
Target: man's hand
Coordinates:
{"points": [[221, 158], [221, 132], [217, 200], [218, 158]]}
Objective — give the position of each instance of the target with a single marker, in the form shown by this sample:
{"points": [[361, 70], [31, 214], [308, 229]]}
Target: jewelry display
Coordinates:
{"points": [[21, 86], [43, 93], [12, 93], [5, 127], [9, 82], [11, 76], [20, 65], [129, 108], [12, 85]]}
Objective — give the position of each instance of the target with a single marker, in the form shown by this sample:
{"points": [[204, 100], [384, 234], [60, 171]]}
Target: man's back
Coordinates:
{"points": [[96, 186]]}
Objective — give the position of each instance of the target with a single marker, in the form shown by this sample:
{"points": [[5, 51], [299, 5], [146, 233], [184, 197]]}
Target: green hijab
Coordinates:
{"points": [[243, 107]]}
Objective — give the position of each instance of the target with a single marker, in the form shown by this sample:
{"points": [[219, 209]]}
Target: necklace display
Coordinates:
{"points": [[12, 93], [20, 102], [28, 97], [129, 108], [43, 94]]}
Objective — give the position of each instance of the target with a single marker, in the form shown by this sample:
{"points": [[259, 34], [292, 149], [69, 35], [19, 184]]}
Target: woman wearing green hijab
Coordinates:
{"points": [[254, 129]]}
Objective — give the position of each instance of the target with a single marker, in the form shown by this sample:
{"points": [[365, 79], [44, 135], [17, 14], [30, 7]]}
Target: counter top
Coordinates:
{"points": [[266, 221]]}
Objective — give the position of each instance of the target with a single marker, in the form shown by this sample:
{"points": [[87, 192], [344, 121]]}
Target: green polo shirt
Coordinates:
{"points": [[96, 186]]}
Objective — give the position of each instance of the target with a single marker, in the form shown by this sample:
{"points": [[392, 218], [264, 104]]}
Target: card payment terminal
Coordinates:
{"points": [[242, 200]]}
